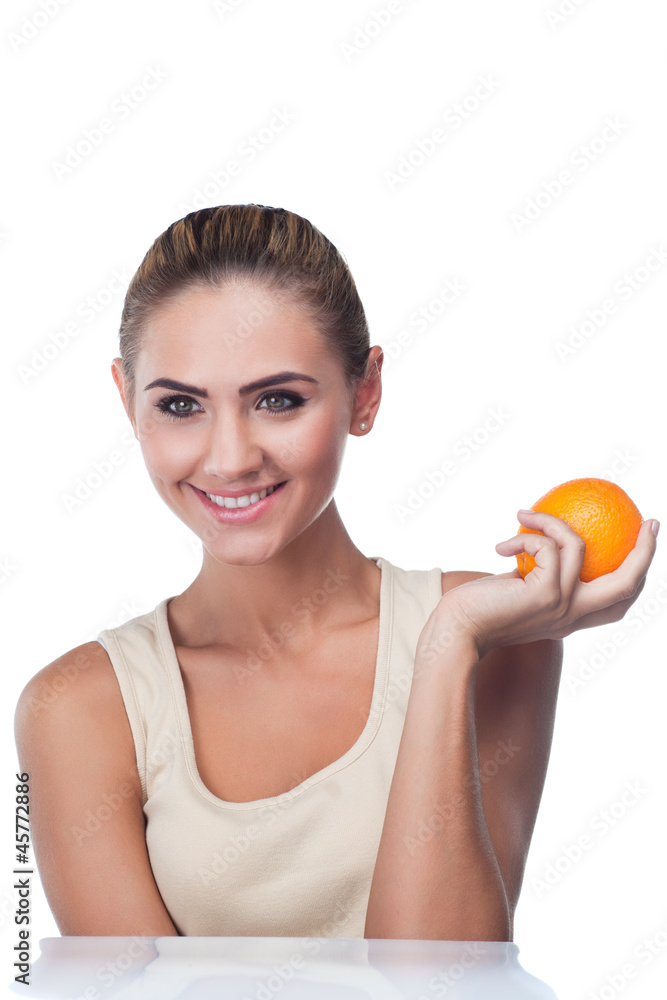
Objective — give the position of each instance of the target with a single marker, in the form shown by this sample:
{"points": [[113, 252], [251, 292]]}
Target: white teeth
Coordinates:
{"points": [[244, 501]]}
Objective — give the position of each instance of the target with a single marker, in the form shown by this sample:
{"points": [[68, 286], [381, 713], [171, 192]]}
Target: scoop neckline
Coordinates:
{"points": [[170, 659]]}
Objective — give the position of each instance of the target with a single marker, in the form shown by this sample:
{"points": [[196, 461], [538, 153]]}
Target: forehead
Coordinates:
{"points": [[239, 330]]}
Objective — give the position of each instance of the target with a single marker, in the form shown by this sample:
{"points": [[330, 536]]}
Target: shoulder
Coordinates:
{"points": [[77, 679], [74, 704]]}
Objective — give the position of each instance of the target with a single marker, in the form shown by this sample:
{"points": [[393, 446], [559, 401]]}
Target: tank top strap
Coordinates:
{"points": [[414, 595], [300, 863], [418, 591], [145, 667], [139, 665]]}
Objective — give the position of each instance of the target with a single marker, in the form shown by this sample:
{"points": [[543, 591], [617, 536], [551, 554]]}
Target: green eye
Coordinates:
{"points": [[295, 399], [164, 405]]}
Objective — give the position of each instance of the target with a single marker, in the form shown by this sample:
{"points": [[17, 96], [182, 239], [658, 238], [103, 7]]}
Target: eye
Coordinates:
{"points": [[294, 397], [164, 405]]}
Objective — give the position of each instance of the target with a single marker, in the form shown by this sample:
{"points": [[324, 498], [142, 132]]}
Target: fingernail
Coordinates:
{"points": [[525, 512], [655, 527]]}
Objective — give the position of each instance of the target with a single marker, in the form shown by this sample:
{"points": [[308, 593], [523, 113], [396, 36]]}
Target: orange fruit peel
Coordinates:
{"points": [[601, 513]]}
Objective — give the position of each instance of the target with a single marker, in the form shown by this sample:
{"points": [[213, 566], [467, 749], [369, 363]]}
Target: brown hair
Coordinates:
{"points": [[282, 250]]}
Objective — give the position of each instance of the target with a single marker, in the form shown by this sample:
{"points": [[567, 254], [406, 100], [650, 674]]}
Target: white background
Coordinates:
{"points": [[359, 104]]}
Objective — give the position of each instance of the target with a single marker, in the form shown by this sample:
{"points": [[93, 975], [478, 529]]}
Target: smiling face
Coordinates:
{"points": [[220, 431]]}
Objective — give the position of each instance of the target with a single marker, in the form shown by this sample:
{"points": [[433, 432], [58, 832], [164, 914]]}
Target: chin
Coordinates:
{"points": [[241, 558]]}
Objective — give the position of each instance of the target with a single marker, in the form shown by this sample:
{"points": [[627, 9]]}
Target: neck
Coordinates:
{"points": [[319, 580]]}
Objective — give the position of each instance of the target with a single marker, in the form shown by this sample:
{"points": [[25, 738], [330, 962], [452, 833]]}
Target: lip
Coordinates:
{"points": [[239, 515]]}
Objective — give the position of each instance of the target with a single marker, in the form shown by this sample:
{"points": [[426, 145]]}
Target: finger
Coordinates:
{"points": [[572, 546], [612, 613], [626, 582], [544, 551]]}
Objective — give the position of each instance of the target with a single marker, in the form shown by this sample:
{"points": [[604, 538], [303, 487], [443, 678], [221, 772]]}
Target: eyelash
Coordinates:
{"points": [[164, 403]]}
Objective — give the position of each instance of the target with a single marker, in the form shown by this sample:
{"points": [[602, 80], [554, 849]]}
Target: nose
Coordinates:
{"points": [[233, 451]]}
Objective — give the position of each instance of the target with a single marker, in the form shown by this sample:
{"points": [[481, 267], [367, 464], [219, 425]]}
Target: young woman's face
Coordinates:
{"points": [[217, 432]]}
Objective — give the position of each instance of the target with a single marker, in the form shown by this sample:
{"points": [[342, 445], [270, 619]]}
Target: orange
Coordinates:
{"points": [[601, 513]]}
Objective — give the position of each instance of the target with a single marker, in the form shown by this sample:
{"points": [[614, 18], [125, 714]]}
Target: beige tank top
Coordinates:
{"points": [[296, 864]]}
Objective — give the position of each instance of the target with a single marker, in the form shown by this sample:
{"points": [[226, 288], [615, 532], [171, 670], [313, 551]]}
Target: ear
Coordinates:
{"points": [[368, 393], [119, 379]]}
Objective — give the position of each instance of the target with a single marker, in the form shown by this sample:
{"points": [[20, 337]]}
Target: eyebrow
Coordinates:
{"points": [[262, 383]]}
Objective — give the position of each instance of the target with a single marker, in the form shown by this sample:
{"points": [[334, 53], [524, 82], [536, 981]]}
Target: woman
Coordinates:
{"points": [[307, 740]]}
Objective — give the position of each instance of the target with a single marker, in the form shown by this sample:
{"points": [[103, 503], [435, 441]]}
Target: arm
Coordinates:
{"points": [[465, 793], [516, 695], [436, 875], [87, 823], [463, 883]]}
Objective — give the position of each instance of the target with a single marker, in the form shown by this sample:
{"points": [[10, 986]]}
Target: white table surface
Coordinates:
{"points": [[263, 968]]}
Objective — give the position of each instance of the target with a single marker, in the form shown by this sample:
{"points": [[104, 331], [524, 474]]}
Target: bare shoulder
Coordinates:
{"points": [[75, 701], [75, 743], [80, 678]]}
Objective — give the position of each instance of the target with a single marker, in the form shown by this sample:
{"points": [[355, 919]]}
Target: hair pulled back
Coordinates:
{"points": [[274, 246]]}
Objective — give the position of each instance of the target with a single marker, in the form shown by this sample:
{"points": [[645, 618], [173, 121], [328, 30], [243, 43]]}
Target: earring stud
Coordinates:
{"points": [[363, 426]]}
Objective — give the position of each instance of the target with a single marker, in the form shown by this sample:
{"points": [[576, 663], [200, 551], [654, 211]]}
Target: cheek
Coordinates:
{"points": [[322, 450], [165, 454]]}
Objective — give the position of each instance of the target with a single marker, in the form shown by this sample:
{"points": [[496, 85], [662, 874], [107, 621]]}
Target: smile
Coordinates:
{"points": [[247, 500]]}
